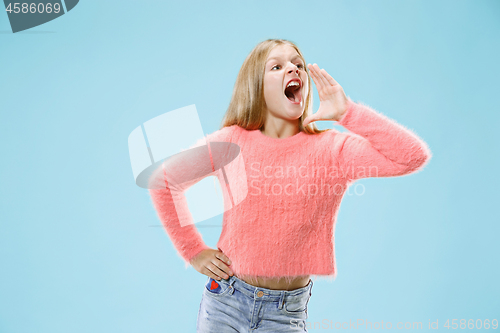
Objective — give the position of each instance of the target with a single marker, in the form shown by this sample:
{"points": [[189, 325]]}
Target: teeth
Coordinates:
{"points": [[293, 83]]}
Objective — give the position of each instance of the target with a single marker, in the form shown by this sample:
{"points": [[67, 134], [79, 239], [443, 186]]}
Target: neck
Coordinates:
{"points": [[280, 130]]}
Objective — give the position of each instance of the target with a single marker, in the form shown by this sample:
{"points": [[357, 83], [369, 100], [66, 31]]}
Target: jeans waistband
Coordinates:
{"points": [[269, 294]]}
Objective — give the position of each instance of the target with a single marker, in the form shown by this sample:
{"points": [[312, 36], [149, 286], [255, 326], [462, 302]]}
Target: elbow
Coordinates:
{"points": [[421, 159], [422, 162], [425, 155]]}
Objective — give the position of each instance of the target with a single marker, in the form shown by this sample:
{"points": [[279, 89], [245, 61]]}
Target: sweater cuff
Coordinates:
{"points": [[194, 252], [350, 106]]}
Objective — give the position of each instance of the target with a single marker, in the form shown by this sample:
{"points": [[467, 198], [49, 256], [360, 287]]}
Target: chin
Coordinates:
{"points": [[293, 114], [294, 110]]}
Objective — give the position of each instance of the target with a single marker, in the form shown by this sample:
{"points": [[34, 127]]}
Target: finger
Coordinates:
{"points": [[209, 273], [217, 271], [224, 260], [310, 72], [223, 257], [329, 78], [317, 80], [222, 266], [227, 270], [322, 81], [311, 118], [315, 77], [306, 121], [322, 77], [311, 69]]}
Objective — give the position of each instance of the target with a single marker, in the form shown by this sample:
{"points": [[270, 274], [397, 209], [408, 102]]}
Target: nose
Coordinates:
{"points": [[294, 68]]}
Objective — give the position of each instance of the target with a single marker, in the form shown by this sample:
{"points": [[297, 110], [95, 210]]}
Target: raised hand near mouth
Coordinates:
{"points": [[333, 101]]}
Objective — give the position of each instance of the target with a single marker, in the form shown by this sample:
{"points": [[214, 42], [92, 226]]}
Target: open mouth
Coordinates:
{"points": [[293, 92]]}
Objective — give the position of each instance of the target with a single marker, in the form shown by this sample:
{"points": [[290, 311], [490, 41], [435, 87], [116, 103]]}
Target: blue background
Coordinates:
{"points": [[81, 246]]}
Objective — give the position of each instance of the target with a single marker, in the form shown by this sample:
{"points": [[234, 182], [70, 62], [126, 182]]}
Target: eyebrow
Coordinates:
{"points": [[279, 58]]}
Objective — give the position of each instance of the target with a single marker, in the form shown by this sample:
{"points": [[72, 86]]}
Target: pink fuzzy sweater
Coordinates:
{"points": [[292, 189]]}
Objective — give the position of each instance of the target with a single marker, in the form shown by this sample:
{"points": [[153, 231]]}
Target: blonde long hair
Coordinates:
{"points": [[247, 106]]}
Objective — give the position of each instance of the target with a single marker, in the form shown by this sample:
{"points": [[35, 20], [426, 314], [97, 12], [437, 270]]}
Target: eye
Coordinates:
{"points": [[298, 65]]}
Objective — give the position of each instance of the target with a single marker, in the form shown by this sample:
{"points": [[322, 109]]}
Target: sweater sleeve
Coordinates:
{"points": [[377, 146], [167, 185]]}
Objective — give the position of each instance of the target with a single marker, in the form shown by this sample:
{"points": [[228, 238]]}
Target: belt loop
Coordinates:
{"points": [[282, 300], [310, 288], [231, 287]]}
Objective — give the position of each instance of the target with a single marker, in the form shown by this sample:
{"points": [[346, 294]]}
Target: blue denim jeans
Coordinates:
{"points": [[232, 305]]}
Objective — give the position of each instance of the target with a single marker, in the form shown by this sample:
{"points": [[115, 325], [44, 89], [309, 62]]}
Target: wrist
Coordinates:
{"points": [[348, 106]]}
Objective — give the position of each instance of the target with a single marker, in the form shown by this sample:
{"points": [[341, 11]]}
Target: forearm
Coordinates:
{"points": [[381, 142], [172, 210]]}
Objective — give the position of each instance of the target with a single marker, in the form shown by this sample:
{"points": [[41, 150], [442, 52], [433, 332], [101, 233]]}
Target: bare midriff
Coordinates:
{"points": [[277, 283]]}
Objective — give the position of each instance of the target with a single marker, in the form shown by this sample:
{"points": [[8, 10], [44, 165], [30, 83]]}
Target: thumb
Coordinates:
{"points": [[309, 119]]}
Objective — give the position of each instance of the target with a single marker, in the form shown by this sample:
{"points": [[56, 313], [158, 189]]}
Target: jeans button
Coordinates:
{"points": [[260, 293]]}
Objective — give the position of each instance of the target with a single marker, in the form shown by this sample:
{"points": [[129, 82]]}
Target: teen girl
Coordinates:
{"points": [[293, 180]]}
